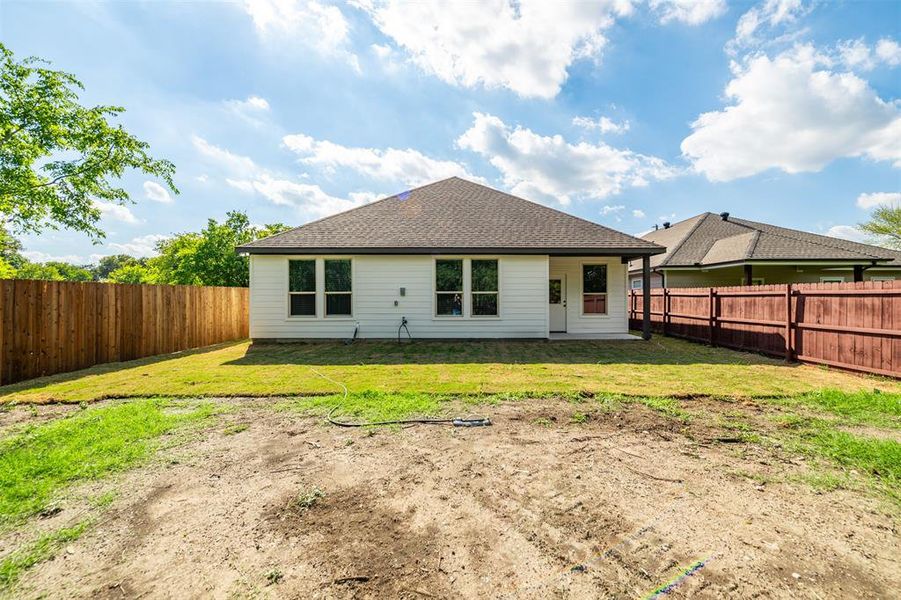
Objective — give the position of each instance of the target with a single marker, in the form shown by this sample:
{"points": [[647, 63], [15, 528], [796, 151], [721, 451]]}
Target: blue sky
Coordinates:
{"points": [[624, 113]]}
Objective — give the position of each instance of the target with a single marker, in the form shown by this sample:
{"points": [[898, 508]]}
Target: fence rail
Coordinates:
{"points": [[51, 327], [853, 326]]}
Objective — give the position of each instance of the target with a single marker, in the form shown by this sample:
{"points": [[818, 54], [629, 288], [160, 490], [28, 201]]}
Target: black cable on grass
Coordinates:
{"points": [[456, 422]]}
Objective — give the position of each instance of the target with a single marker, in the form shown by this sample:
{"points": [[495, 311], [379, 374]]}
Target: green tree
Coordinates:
{"points": [[58, 157], [53, 271], [132, 273], [108, 264], [10, 249], [208, 257], [885, 226]]}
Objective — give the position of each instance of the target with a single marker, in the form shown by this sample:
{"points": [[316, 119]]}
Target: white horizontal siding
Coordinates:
{"points": [[617, 319], [376, 286]]}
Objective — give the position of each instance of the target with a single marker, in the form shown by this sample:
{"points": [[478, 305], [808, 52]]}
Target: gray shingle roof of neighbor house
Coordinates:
{"points": [[453, 215], [710, 239]]}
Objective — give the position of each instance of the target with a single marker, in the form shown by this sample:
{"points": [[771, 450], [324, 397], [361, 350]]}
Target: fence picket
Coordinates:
{"points": [[54, 327], [854, 326]]}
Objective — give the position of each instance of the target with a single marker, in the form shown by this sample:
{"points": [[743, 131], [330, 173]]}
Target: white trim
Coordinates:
{"points": [[435, 291], [582, 313], [315, 292], [497, 292], [832, 279], [325, 293], [882, 278]]}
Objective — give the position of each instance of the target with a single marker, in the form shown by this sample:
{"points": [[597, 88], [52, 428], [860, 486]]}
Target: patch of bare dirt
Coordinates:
{"points": [[533, 507]]}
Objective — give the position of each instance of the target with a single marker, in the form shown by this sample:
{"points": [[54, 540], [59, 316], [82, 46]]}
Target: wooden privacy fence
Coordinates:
{"points": [[848, 325], [51, 327]]}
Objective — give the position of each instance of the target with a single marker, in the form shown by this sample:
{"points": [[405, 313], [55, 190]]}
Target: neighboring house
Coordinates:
{"points": [[720, 250], [455, 258]]}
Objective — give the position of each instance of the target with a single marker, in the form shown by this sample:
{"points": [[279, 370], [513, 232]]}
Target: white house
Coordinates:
{"points": [[453, 259]]}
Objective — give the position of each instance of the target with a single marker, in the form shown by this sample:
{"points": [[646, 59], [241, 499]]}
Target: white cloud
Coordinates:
{"points": [[139, 247], [603, 124], [41, 257], [549, 169], [116, 212], [610, 210], [235, 164], [526, 46], [251, 109], [245, 175], [847, 232], [691, 12], [889, 52], [157, 193], [868, 201], [769, 14], [788, 113], [202, 178], [408, 166], [638, 213], [320, 26], [856, 54], [308, 197]]}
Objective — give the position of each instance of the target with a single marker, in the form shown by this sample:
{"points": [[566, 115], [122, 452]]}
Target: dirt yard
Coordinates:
{"points": [[536, 506]]}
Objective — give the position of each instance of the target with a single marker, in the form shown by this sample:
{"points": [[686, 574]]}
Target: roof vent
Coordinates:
{"points": [[666, 224], [724, 216]]}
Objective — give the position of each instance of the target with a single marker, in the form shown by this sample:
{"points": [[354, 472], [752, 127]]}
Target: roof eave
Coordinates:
{"points": [[623, 252], [776, 262]]}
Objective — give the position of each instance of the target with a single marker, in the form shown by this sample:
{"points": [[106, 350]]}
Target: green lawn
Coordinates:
{"points": [[662, 367]]}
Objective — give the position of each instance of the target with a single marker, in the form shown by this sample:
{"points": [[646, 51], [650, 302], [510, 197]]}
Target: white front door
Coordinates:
{"points": [[557, 302]]}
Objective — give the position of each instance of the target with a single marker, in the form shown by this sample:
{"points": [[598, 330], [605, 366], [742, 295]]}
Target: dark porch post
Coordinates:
{"points": [[858, 273], [749, 274], [646, 297]]}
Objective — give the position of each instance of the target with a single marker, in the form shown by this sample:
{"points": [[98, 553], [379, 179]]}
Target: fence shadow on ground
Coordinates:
{"points": [[658, 351], [57, 378]]}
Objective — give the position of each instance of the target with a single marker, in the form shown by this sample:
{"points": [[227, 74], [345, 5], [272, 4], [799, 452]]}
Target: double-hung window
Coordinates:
{"points": [[449, 287], [594, 289], [302, 288], [338, 288], [484, 287]]}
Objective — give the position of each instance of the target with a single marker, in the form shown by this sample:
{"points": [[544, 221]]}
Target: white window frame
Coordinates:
{"points": [[582, 313], [882, 278], [463, 293], [832, 279], [638, 281], [471, 292], [314, 293], [326, 293]]}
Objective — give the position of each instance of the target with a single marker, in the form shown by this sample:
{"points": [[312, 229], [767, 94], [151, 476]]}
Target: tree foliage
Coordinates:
{"points": [[107, 264], [57, 157], [53, 271], [208, 257], [885, 226], [134, 272]]}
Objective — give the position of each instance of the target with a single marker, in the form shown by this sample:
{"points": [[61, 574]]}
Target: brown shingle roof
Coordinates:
{"points": [[708, 239], [453, 215]]}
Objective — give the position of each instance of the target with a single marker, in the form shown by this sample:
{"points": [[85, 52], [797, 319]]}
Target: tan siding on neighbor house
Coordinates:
{"points": [[776, 274]]}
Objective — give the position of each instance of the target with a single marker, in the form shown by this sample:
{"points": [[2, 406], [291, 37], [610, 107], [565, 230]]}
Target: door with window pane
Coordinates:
{"points": [[557, 303]]}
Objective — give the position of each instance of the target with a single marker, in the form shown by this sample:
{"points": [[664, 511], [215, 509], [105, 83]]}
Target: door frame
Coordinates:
{"points": [[562, 278]]}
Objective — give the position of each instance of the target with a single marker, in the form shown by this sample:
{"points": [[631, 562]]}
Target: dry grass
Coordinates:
{"points": [[663, 367]]}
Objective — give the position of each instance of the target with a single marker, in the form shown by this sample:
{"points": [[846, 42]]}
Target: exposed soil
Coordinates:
{"points": [[532, 507]]}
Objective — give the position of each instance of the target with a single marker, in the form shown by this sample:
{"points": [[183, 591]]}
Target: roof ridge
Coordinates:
{"points": [[816, 241], [755, 239], [703, 217]]}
